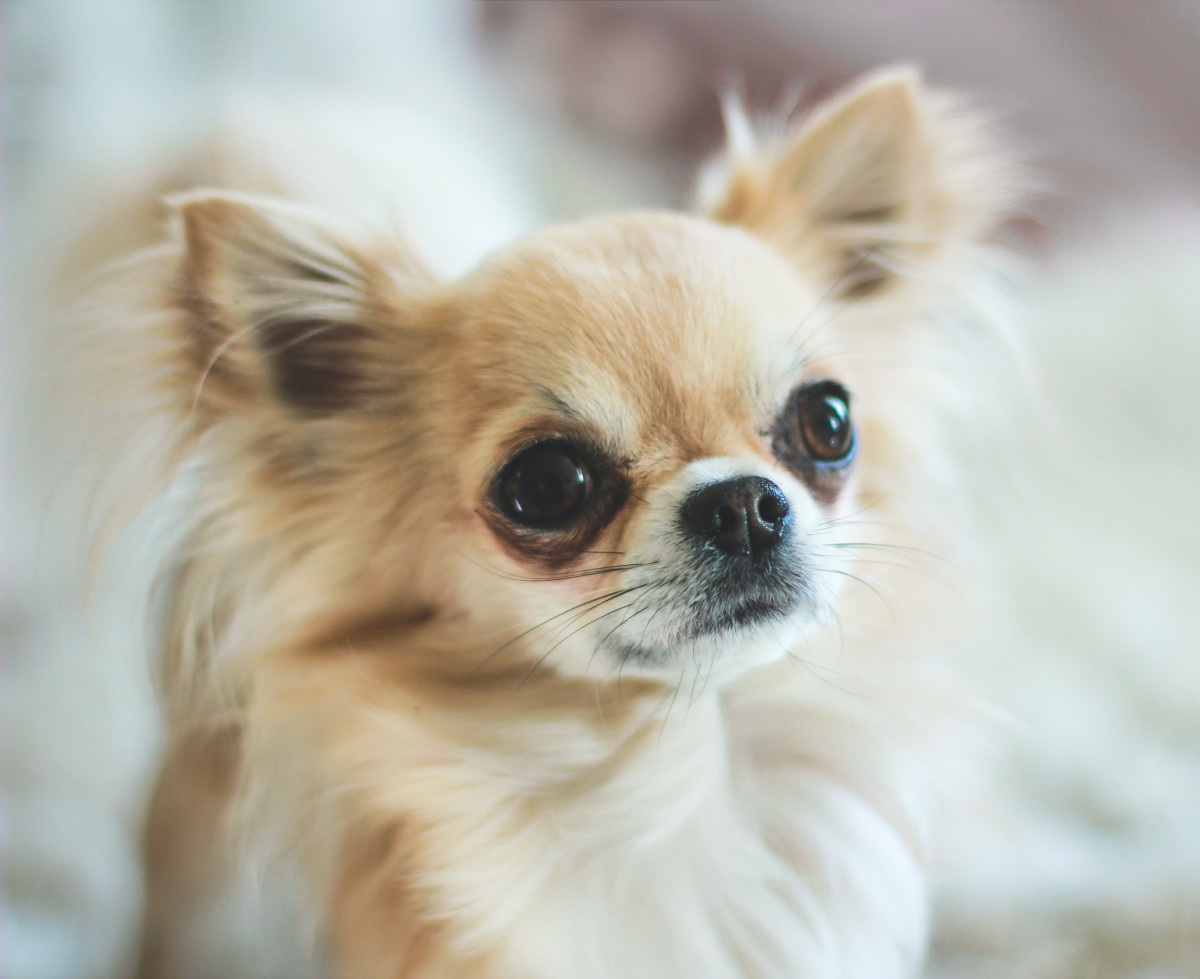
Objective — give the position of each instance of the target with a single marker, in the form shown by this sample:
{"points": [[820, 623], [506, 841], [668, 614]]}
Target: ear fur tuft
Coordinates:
{"points": [[885, 181]]}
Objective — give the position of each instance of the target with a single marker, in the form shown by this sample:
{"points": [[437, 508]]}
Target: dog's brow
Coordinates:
{"points": [[559, 403]]}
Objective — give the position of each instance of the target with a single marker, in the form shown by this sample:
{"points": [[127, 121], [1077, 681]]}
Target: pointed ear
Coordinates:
{"points": [[887, 180], [279, 310]]}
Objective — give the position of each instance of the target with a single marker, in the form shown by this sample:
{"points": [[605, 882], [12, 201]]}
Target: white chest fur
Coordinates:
{"points": [[757, 834]]}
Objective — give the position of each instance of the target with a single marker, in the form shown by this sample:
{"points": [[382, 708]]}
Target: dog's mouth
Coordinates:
{"points": [[725, 622], [743, 615]]}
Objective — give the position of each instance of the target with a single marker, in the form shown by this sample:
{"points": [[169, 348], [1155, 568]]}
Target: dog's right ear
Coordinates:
{"points": [[280, 312]]}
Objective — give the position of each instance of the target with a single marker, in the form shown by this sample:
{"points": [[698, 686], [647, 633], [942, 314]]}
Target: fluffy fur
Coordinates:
{"points": [[500, 752]]}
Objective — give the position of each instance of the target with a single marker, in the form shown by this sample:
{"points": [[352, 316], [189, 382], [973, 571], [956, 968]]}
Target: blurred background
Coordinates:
{"points": [[1081, 855]]}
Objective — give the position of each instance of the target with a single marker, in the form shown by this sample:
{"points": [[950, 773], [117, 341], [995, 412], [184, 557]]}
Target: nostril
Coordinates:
{"points": [[772, 507], [726, 518]]}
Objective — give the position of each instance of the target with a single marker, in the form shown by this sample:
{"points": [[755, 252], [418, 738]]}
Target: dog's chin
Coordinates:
{"points": [[715, 645], [743, 616]]}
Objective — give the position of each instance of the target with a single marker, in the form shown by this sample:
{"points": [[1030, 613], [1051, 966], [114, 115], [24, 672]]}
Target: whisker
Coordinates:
{"points": [[712, 663], [646, 628], [620, 667], [653, 609], [862, 580], [910, 558], [869, 582], [912, 565], [564, 576], [612, 596], [670, 706], [814, 667], [867, 255], [542, 659], [916, 568], [517, 638], [604, 637], [933, 555], [695, 680], [586, 573], [846, 518], [841, 634], [628, 652], [592, 606]]}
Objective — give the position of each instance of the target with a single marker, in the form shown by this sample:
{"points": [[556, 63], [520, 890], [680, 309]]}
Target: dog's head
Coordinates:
{"points": [[629, 443]]}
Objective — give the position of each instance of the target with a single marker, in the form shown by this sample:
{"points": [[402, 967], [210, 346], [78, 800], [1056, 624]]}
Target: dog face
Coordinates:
{"points": [[646, 424], [624, 444]]}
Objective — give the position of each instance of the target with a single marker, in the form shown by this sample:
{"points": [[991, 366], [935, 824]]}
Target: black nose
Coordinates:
{"points": [[746, 516]]}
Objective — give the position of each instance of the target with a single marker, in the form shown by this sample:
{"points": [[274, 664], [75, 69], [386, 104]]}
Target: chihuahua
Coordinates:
{"points": [[528, 615]]}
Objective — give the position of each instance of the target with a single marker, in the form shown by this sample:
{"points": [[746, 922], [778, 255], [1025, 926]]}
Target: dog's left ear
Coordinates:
{"points": [[886, 181]]}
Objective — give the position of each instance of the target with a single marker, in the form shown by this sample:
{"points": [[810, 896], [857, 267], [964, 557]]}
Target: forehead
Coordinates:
{"points": [[638, 322]]}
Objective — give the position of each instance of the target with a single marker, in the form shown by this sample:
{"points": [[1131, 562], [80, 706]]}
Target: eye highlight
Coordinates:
{"points": [[814, 437], [545, 487], [823, 420]]}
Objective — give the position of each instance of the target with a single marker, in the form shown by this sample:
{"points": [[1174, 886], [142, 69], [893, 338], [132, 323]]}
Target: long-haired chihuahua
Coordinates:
{"points": [[544, 619]]}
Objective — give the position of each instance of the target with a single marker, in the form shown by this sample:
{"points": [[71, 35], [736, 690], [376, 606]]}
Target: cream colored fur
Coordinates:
{"points": [[364, 676]]}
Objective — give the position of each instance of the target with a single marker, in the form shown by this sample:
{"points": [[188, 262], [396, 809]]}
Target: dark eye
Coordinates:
{"points": [[823, 418], [546, 486]]}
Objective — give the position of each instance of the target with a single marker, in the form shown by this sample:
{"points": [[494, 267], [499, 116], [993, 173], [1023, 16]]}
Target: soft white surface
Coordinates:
{"points": [[1083, 859]]}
